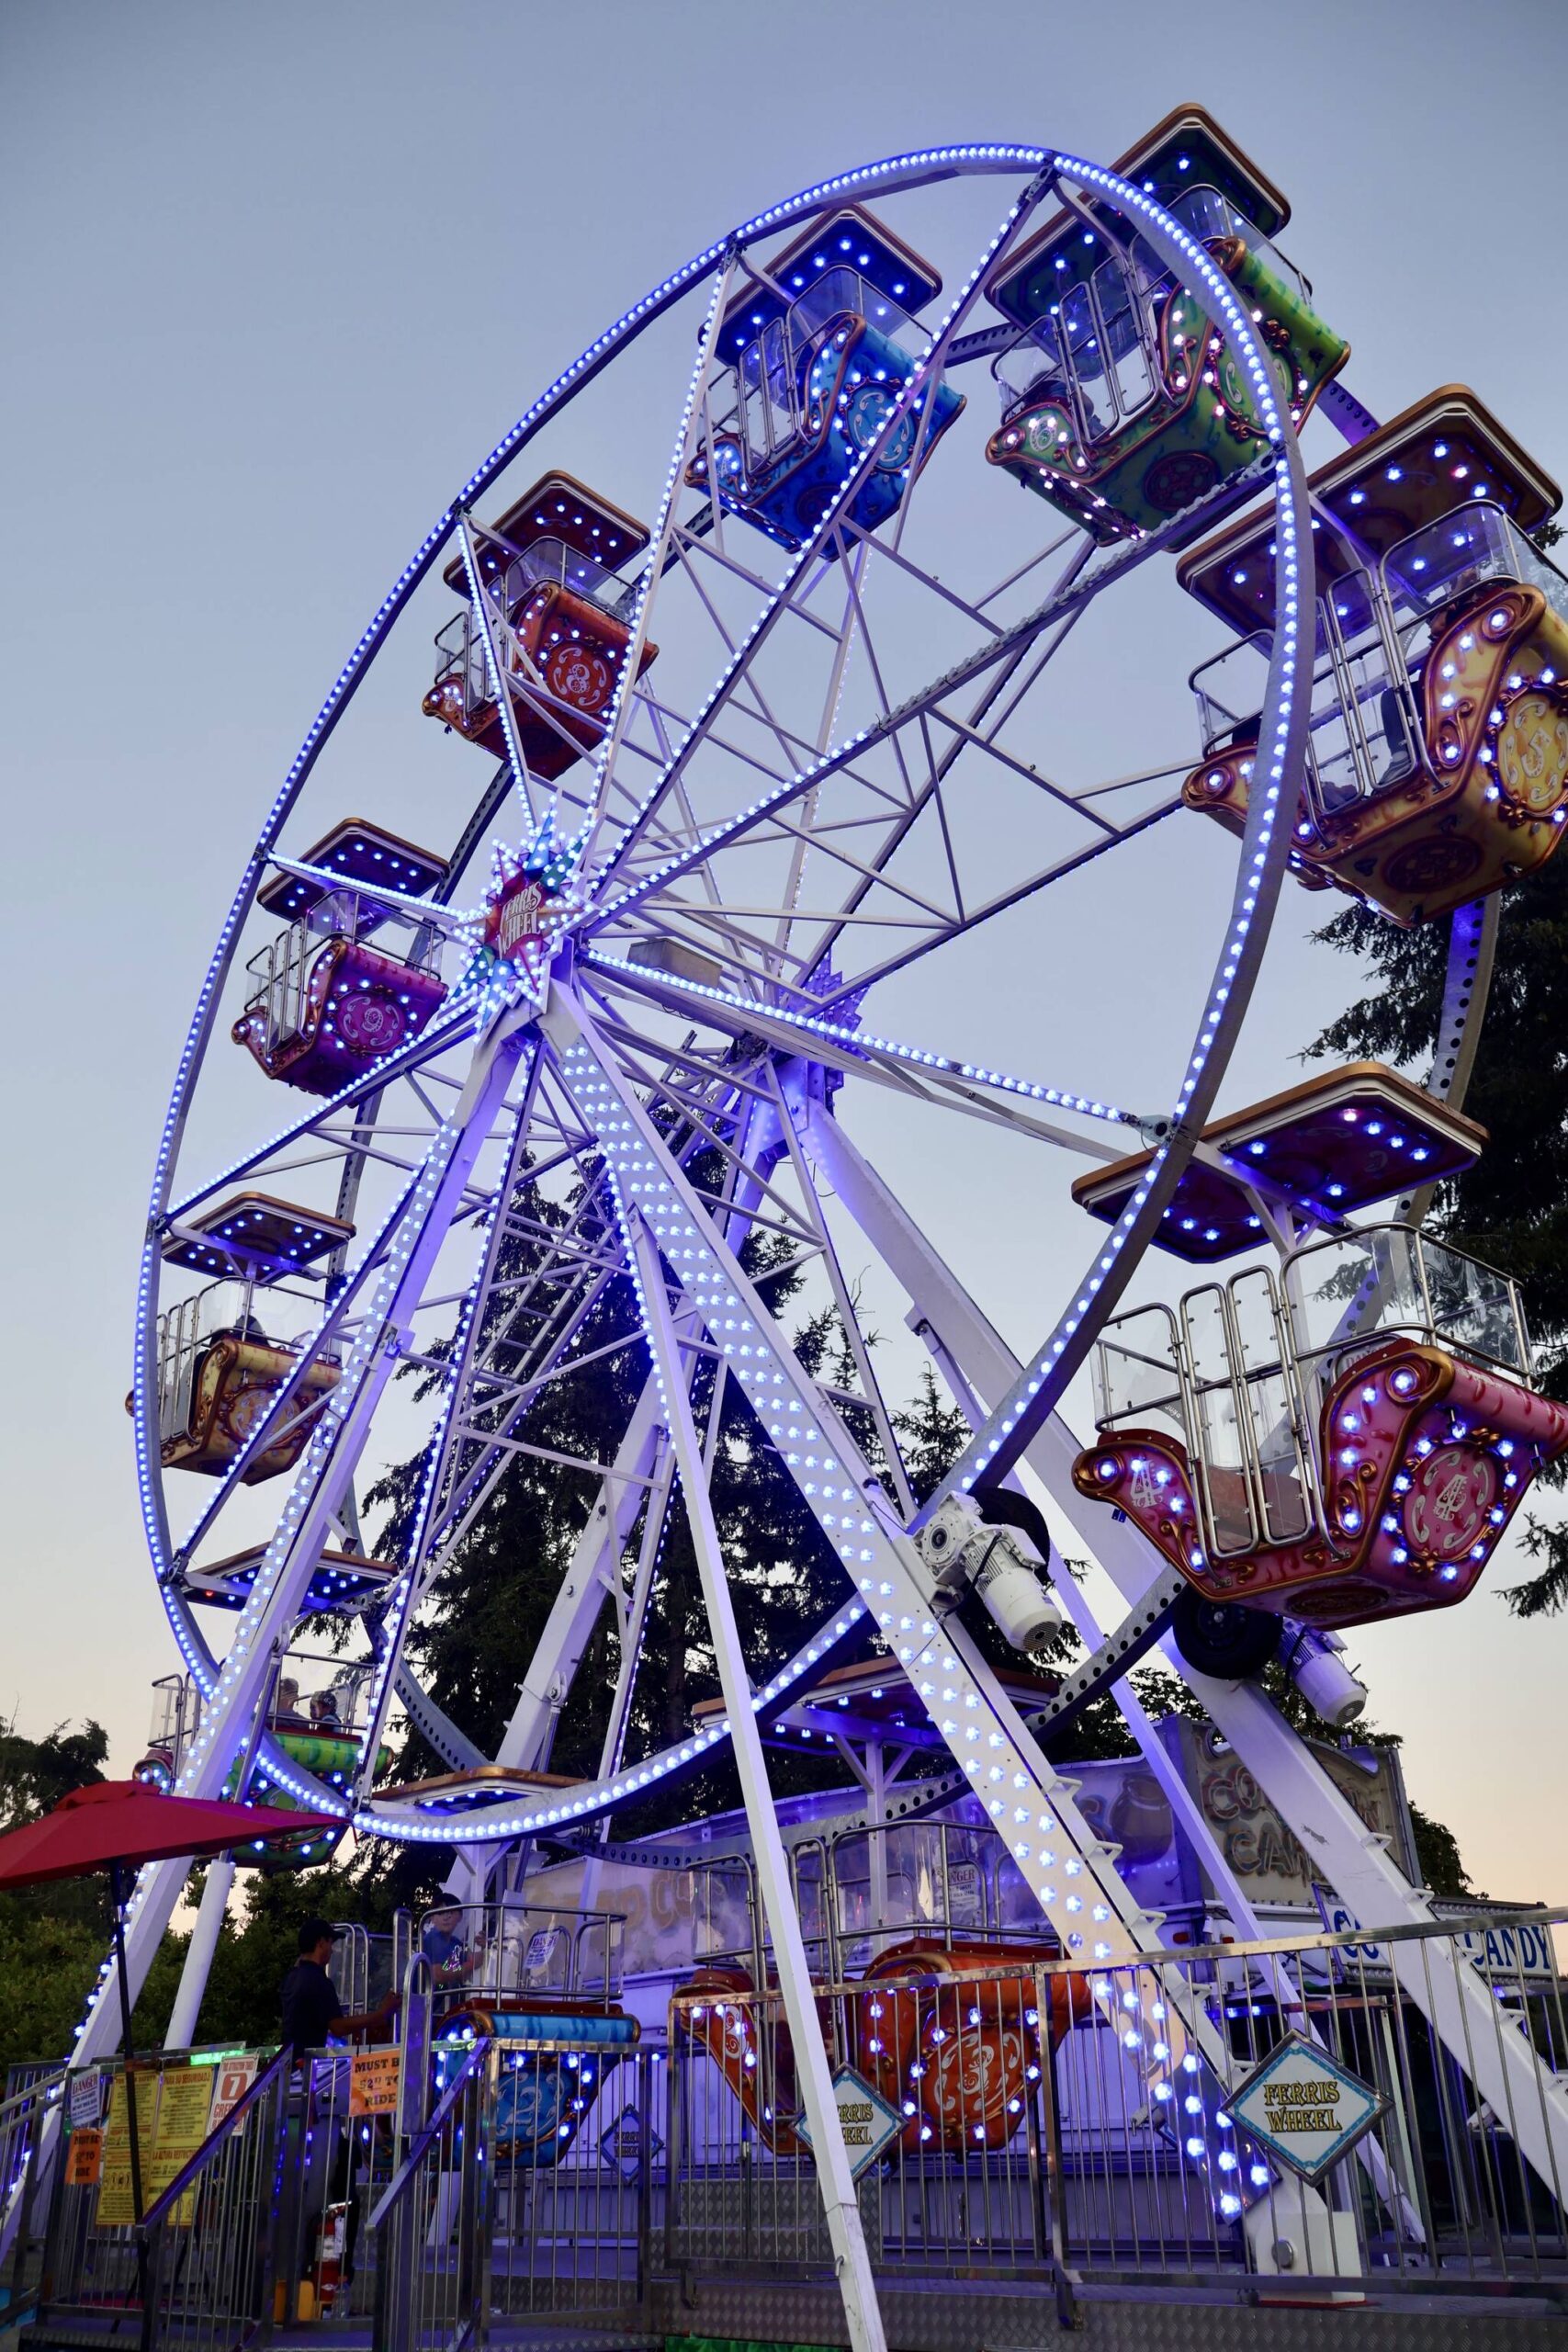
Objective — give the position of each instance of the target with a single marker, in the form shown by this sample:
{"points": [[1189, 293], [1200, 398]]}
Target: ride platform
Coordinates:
{"points": [[343, 1581], [368, 857], [255, 1237], [1337, 1143]]}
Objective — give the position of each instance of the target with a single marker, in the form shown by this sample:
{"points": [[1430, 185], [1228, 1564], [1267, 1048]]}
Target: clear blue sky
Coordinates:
{"points": [[277, 276]]}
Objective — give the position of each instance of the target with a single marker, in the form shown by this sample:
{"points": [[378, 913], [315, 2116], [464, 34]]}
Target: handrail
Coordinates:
{"points": [[33, 2090], [400, 2179], [236, 2115], [1258, 1948]]}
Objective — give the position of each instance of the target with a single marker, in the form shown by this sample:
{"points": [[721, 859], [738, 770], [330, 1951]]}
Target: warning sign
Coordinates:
{"points": [[231, 2078], [86, 2097], [115, 2209], [85, 2157], [1304, 2107], [621, 2145], [373, 2081], [184, 2105], [868, 2122], [172, 2112]]}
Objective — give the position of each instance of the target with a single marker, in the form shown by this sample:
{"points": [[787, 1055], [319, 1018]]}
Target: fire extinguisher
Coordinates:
{"points": [[331, 2242]]}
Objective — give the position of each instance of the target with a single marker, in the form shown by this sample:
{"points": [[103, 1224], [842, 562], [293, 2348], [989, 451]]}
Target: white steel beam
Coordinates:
{"points": [[1162, 2026], [1492, 2050], [851, 2259], [325, 1469]]}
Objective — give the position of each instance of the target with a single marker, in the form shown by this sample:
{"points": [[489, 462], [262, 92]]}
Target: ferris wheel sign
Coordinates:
{"points": [[866, 2118], [1306, 2107]]}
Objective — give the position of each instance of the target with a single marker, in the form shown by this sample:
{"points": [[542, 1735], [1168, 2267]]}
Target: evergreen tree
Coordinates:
{"points": [[1511, 1207], [489, 1601]]}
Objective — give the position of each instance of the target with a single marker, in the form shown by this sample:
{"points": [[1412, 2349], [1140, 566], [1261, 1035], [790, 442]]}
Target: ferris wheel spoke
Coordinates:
{"points": [[843, 1300], [869, 543], [1062, 604], [283, 1414], [936, 1076], [900, 407], [866, 976], [709, 1132], [628, 1487], [282, 1576], [456, 1370], [796, 604], [548, 1354], [440, 1037], [659, 551], [638, 1479]]}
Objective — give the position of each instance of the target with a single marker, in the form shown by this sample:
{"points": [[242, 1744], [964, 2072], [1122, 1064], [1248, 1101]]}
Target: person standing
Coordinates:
{"points": [[312, 2005], [312, 2012]]}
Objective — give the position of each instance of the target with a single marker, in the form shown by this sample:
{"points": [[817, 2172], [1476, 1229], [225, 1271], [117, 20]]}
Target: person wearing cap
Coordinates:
{"points": [[312, 2005]]}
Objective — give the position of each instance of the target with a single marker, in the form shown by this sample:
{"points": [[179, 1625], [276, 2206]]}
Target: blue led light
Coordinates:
{"points": [[917, 1057]]}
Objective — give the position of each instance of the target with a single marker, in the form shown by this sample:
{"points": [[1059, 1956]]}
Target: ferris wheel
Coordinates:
{"points": [[713, 757]]}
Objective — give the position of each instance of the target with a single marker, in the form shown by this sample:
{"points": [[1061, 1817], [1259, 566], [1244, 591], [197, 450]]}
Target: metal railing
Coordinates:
{"points": [[998, 2121], [189, 1329], [431, 2225], [194, 2268], [1007, 2130], [1375, 627], [576, 2139], [1240, 1370], [518, 1952], [208, 2283], [281, 973], [30, 2114], [333, 2167], [762, 399]]}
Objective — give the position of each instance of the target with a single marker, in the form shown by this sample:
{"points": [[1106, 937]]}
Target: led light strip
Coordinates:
{"points": [[917, 1057], [631, 662], [862, 468], [912, 169], [1037, 1390]]}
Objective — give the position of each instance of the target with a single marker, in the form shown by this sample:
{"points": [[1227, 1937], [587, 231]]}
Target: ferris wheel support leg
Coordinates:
{"points": [[851, 2259], [186, 2011], [1353, 1859], [1071, 1872], [325, 1467], [1185, 1809]]}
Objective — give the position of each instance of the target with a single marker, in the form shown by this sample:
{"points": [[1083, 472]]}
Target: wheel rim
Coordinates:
{"points": [[636, 899]]}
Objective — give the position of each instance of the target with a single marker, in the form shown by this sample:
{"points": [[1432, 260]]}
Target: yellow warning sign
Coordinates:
{"points": [[373, 2081]]}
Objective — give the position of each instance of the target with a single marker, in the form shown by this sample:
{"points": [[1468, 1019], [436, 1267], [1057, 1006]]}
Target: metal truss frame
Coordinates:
{"points": [[616, 1109]]}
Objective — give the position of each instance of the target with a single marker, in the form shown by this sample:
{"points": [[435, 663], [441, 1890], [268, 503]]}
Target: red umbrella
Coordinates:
{"points": [[117, 1826], [126, 1822]]}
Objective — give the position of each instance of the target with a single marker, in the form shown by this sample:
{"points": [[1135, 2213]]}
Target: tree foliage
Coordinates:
{"points": [[1511, 1207], [491, 1597]]}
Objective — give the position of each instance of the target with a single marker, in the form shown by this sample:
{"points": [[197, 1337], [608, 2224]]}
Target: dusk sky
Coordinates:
{"points": [[278, 277]]}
